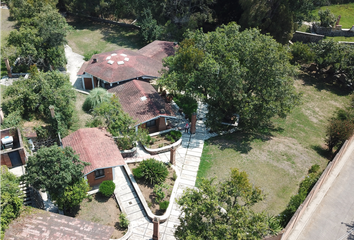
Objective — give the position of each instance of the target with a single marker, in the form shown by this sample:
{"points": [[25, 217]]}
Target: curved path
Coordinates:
{"points": [[187, 163]]}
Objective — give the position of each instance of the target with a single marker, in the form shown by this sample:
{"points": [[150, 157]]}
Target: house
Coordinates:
{"points": [[112, 68], [97, 147], [40, 224], [12, 149], [143, 103]]}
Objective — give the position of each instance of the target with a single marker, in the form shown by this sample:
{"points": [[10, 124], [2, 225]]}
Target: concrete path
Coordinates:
{"points": [[187, 163], [74, 64]]}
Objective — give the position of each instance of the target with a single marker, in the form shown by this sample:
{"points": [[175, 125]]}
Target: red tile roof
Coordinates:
{"points": [[130, 94], [95, 146], [145, 62], [40, 224]]}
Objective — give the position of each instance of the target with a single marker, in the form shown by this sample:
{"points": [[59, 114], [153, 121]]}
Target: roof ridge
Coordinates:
{"points": [[139, 87]]}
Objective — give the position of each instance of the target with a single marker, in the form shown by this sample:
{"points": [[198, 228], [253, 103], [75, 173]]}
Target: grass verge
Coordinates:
{"points": [[88, 36], [80, 116], [277, 161], [339, 38]]}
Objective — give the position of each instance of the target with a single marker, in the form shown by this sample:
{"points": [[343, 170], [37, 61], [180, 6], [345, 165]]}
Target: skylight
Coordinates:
{"points": [[109, 57], [143, 98], [124, 55], [110, 62], [126, 59], [113, 54], [120, 62]]}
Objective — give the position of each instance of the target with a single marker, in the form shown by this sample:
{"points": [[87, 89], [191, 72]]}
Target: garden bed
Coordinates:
{"points": [[163, 141], [103, 210], [147, 190]]}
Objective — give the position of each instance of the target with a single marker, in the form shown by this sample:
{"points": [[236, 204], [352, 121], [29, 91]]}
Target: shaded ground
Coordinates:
{"points": [[88, 36], [80, 116], [147, 190], [101, 210], [278, 161], [7, 25]]}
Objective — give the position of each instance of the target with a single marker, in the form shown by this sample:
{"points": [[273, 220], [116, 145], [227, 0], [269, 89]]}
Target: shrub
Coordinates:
{"points": [[123, 221], [153, 171], [158, 191], [89, 55], [187, 103], [137, 172], [174, 176], [107, 188], [337, 132], [302, 53], [314, 168], [95, 98], [327, 18], [164, 205]]}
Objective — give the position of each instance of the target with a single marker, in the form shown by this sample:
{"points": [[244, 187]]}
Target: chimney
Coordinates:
{"points": [[9, 73], [51, 108], [94, 60], [1, 116]]}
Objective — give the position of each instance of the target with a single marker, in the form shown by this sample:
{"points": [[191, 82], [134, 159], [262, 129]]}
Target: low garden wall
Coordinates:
{"points": [[162, 149], [129, 153], [333, 32], [306, 37], [150, 215]]}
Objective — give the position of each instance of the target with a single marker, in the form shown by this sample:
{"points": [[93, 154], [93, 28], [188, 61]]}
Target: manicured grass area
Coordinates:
{"points": [[345, 39], [80, 116], [88, 36], [345, 10], [304, 28], [277, 161]]}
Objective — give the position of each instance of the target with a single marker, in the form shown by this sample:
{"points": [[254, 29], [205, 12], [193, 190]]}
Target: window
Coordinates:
{"points": [[151, 123], [99, 173]]}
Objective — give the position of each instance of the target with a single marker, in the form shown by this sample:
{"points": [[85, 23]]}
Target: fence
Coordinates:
{"points": [[300, 211]]}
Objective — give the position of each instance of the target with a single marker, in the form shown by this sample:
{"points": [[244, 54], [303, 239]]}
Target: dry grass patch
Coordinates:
{"points": [[278, 159]]}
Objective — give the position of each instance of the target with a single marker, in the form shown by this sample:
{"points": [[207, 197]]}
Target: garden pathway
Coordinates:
{"points": [[187, 163]]}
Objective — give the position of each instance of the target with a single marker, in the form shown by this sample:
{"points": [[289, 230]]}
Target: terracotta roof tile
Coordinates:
{"points": [[145, 62], [131, 95], [95, 146]]}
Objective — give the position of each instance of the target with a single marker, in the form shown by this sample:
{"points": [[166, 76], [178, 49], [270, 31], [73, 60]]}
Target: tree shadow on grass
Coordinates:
{"points": [[322, 151], [242, 141], [124, 36], [325, 82]]}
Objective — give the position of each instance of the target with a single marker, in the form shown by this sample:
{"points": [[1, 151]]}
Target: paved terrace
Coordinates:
{"points": [[187, 163], [331, 214]]}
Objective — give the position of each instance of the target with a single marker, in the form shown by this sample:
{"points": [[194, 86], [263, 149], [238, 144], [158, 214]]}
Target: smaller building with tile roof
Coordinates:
{"points": [[97, 147], [143, 103]]}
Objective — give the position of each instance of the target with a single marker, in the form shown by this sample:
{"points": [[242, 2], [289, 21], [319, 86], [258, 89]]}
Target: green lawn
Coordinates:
{"points": [[345, 10], [6, 25], [278, 161], [88, 36], [80, 117], [345, 39]]}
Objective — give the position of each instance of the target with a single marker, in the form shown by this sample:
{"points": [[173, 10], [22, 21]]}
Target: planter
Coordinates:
{"points": [[151, 216], [154, 151], [129, 153]]}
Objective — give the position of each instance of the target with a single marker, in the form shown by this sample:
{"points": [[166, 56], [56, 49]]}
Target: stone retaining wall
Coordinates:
{"points": [[306, 37], [333, 32], [129, 153]]}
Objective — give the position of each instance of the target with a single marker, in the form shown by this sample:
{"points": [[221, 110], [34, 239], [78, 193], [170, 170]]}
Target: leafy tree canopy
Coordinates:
{"points": [[41, 35], [222, 211], [245, 73], [33, 96], [53, 169], [11, 201]]}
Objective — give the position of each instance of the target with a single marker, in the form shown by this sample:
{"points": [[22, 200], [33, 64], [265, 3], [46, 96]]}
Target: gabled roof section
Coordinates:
{"points": [[158, 50], [95, 146], [40, 224], [125, 64], [141, 101]]}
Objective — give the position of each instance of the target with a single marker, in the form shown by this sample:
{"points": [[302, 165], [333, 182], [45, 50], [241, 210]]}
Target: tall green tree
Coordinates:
{"points": [[245, 73], [11, 199], [54, 169], [222, 211], [33, 96], [40, 37]]}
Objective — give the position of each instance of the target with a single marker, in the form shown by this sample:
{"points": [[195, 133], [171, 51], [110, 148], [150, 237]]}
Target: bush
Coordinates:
{"points": [[314, 168], [123, 221], [89, 55], [137, 172], [107, 188], [327, 18], [164, 205], [159, 194], [153, 171], [95, 98], [302, 53], [174, 135], [187, 103], [337, 132]]}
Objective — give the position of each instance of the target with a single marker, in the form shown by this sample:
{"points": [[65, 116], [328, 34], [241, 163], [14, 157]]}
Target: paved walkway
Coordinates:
{"points": [[75, 62], [187, 163]]}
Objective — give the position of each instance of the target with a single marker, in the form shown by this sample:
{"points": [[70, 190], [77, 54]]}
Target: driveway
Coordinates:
{"points": [[75, 62]]}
